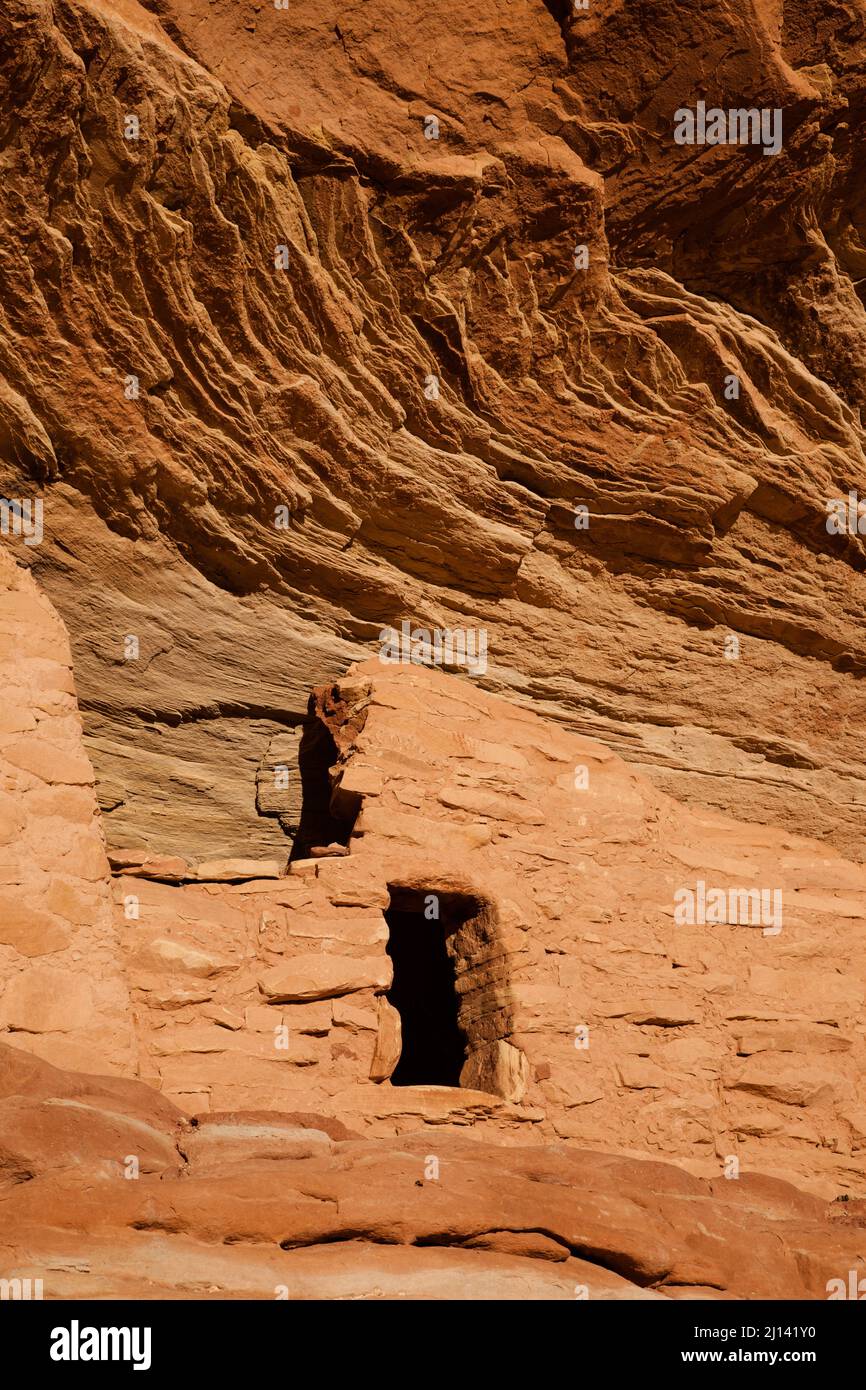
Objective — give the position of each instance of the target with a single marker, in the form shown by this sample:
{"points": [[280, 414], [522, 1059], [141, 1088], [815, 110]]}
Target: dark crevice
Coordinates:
{"points": [[318, 825], [219, 710]]}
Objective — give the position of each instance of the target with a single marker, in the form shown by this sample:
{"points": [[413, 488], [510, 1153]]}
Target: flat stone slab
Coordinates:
{"points": [[324, 977]]}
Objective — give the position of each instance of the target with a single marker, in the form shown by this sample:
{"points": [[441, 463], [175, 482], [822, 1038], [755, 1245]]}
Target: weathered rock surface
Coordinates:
{"points": [[107, 1191], [306, 395], [319, 322], [588, 1008], [64, 994]]}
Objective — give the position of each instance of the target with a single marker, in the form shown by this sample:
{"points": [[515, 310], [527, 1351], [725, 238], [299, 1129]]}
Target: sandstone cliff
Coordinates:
{"points": [[541, 975], [431, 386], [270, 1207]]}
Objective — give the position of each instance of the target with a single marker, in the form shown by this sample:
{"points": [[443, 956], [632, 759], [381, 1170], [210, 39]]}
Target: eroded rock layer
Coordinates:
{"points": [[106, 1191], [285, 370]]}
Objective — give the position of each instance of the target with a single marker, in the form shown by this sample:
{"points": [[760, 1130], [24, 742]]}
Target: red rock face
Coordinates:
{"points": [[64, 996], [303, 1019], [252, 469], [244, 1206], [320, 330]]}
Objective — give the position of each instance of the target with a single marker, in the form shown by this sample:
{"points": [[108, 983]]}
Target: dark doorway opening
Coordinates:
{"points": [[424, 991]]}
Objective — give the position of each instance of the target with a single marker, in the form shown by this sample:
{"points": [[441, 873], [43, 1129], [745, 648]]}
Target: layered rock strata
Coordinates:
{"points": [[286, 370], [106, 1191]]}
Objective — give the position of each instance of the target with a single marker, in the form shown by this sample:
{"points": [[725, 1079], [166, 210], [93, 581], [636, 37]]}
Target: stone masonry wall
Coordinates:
{"points": [[62, 991]]}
